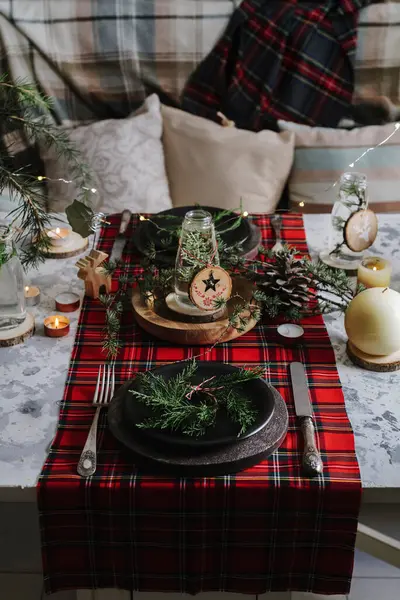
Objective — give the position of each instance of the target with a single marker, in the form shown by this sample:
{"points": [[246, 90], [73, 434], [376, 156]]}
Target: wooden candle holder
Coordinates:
{"points": [[92, 273]]}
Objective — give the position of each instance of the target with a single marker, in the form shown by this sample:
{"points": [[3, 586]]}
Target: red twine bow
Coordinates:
{"points": [[199, 388]]}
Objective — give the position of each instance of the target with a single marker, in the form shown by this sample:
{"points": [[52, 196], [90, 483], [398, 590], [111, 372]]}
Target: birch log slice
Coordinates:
{"points": [[383, 364], [159, 321], [18, 335], [76, 245]]}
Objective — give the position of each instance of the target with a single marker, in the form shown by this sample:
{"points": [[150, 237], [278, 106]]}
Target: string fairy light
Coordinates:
{"points": [[351, 165]]}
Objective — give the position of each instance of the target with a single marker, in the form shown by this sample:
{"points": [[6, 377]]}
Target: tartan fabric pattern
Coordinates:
{"points": [[288, 60], [266, 528], [377, 64]]}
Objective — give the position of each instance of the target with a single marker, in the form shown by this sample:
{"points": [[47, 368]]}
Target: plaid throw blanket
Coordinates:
{"points": [[287, 60], [101, 59], [267, 528]]}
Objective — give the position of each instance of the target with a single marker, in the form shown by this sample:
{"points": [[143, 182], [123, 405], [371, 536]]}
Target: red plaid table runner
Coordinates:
{"points": [[267, 528]]}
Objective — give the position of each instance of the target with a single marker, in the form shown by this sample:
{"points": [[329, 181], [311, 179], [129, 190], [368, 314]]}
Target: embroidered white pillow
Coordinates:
{"points": [[126, 160]]}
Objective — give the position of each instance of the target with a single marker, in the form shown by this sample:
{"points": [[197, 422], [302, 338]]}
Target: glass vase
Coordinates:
{"points": [[12, 297], [352, 197], [197, 249]]}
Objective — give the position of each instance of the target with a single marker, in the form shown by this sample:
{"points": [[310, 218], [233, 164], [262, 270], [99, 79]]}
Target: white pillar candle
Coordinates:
{"points": [[374, 271], [59, 236], [372, 321]]}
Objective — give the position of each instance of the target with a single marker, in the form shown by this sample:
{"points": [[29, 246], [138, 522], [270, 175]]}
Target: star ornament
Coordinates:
{"points": [[210, 283]]}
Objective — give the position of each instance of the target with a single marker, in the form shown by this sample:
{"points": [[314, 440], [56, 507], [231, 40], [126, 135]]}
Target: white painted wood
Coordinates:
{"points": [[378, 545], [309, 596], [375, 589], [27, 587], [366, 565]]}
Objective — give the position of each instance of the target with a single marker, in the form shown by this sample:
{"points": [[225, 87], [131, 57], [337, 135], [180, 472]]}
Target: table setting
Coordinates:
{"points": [[273, 470]]}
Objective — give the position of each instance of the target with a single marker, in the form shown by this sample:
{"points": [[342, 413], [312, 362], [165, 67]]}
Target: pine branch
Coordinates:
{"points": [[174, 408]]}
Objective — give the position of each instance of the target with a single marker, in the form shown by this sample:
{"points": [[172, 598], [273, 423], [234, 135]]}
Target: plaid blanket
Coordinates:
{"points": [[101, 59], [287, 60], [266, 528]]}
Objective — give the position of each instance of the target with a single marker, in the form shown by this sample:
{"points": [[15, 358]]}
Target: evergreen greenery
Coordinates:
{"points": [[24, 117], [175, 407]]}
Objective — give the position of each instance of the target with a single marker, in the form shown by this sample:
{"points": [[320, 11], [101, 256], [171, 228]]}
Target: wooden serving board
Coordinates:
{"points": [[390, 362], [167, 325]]}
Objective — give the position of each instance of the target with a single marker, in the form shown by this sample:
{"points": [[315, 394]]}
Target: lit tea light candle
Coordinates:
{"points": [[59, 236], [32, 295], [56, 326], [374, 271], [290, 333]]}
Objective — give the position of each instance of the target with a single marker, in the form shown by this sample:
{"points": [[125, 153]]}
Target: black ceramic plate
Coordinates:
{"points": [[147, 232], [224, 431]]}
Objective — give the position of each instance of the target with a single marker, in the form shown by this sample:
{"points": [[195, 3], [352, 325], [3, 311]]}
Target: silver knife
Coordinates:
{"points": [[312, 462], [120, 240]]}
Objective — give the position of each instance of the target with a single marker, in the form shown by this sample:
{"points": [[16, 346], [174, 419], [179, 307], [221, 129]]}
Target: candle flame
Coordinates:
{"points": [[27, 288], [374, 268], [56, 323], [58, 230], [245, 214], [301, 203]]}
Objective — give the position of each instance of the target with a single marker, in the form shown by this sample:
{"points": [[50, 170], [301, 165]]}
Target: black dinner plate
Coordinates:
{"points": [[224, 431], [147, 233]]}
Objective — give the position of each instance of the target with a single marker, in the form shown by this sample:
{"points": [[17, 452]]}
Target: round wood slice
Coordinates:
{"points": [[19, 334], [160, 322], [361, 230], [209, 285], [76, 245], [220, 461], [390, 362]]}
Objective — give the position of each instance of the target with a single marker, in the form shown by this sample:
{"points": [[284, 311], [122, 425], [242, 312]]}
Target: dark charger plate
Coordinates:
{"points": [[147, 232], [225, 430], [148, 457]]}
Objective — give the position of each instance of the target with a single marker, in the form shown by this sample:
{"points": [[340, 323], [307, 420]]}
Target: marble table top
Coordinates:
{"points": [[32, 377]]}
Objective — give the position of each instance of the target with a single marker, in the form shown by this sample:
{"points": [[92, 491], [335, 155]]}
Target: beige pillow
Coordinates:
{"points": [[218, 166]]}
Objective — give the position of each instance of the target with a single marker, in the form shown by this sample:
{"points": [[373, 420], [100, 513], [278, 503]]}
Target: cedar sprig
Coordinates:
{"points": [[171, 408]]}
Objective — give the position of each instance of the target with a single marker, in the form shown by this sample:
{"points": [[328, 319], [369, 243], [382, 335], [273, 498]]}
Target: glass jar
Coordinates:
{"points": [[12, 297], [197, 249], [352, 197]]}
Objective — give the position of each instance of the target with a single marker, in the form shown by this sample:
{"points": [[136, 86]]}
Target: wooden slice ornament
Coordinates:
{"points": [[383, 364], [361, 230], [210, 285]]}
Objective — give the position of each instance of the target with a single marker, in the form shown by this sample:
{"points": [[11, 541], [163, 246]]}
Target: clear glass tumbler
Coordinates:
{"points": [[12, 298], [352, 197], [197, 249]]}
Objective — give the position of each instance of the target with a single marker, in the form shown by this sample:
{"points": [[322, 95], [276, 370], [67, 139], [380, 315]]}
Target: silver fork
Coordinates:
{"points": [[276, 222], [102, 396]]}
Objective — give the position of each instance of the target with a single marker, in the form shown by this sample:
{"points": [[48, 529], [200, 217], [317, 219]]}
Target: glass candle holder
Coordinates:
{"points": [[12, 293], [352, 197], [197, 249], [374, 272]]}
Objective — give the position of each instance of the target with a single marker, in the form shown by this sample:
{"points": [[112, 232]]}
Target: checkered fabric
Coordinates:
{"points": [[101, 59], [287, 60], [266, 528], [377, 64]]}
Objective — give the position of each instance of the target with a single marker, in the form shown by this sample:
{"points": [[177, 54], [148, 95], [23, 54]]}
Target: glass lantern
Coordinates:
{"points": [[197, 249], [352, 197]]}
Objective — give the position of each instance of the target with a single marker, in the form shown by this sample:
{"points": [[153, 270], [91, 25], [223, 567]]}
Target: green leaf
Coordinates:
{"points": [[80, 217]]}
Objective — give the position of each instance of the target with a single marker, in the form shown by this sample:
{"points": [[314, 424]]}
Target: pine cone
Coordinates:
{"points": [[287, 278]]}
